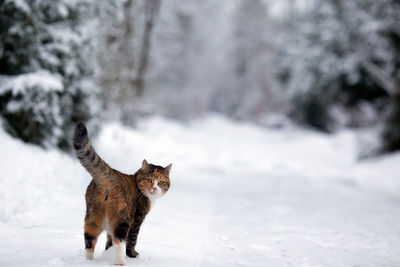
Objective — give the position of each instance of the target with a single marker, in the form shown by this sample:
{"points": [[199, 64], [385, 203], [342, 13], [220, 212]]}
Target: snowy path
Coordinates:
{"points": [[240, 196]]}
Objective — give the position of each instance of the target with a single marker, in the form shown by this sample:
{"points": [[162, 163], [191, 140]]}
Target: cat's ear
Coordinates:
{"points": [[167, 169], [145, 166]]}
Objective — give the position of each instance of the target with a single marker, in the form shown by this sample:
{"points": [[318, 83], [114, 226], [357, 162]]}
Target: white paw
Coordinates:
{"points": [[89, 254], [119, 261], [119, 258]]}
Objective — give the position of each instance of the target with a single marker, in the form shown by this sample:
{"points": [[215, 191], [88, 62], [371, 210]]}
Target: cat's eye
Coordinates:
{"points": [[163, 184], [149, 180]]}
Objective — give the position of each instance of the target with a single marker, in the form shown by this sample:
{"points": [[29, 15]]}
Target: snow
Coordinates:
{"points": [[21, 4], [42, 79], [240, 196]]}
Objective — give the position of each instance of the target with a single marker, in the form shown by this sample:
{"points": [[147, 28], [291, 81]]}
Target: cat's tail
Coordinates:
{"points": [[98, 168]]}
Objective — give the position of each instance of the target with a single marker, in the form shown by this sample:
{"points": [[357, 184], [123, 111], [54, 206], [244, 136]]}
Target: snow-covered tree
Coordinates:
{"points": [[177, 72], [44, 63], [184, 58], [339, 52], [250, 91], [210, 55], [124, 44]]}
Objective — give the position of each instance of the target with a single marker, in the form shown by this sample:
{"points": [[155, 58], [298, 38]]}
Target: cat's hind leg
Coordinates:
{"points": [[109, 241], [93, 227], [118, 219], [119, 237]]}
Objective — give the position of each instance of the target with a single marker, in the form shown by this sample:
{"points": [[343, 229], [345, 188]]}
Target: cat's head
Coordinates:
{"points": [[153, 180]]}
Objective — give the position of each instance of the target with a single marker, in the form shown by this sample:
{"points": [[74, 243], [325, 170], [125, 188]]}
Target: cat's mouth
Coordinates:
{"points": [[155, 193]]}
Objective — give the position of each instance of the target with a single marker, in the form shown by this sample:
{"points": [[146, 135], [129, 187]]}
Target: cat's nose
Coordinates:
{"points": [[154, 188]]}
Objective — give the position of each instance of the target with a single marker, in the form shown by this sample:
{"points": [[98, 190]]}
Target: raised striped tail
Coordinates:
{"points": [[98, 168]]}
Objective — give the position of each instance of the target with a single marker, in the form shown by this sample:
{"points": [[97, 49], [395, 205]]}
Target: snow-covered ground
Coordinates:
{"points": [[240, 196]]}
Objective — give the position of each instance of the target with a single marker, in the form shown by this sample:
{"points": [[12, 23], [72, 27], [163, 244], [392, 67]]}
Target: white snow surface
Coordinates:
{"points": [[240, 196]]}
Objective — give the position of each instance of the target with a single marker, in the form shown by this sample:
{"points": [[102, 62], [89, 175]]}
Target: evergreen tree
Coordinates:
{"points": [[340, 52], [44, 60]]}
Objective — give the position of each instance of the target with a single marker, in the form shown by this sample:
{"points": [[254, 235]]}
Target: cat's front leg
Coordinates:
{"points": [[131, 242], [132, 238], [131, 252]]}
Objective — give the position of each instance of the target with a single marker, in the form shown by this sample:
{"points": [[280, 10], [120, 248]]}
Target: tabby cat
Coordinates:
{"points": [[115, 201]]}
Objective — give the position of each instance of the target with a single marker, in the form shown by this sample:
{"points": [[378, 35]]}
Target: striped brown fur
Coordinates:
{"points": [[115, 201]]}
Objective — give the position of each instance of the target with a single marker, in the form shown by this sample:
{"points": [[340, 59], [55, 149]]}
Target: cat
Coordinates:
{"points": [[115, 201]]}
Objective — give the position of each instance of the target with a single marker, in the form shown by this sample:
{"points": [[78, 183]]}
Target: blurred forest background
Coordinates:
{"points": [[317, 63]]}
